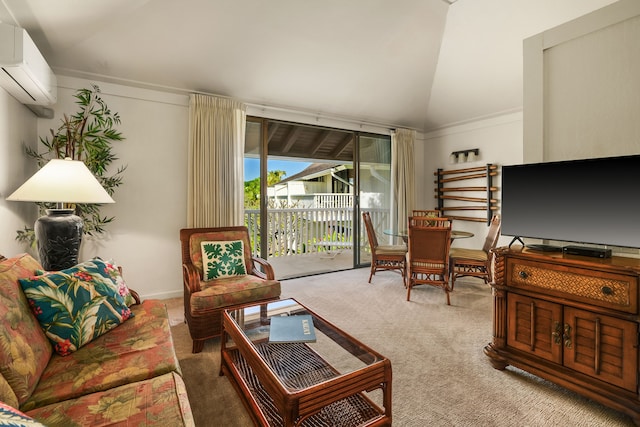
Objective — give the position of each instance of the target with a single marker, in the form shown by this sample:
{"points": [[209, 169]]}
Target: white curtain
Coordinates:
{"points": [[403, 176], [216, 162]]}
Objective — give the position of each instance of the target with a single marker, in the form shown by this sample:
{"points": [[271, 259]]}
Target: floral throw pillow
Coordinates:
{"points": [[112, 270], [108, 269], [223, 259], [10, 416], [76, 305]]}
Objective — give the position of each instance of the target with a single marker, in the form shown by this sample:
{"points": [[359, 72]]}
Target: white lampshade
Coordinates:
{"points": [[62, 181]]}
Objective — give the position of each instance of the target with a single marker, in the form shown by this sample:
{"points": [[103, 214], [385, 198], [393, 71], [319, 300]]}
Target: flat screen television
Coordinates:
{"points": [[594, 201]]}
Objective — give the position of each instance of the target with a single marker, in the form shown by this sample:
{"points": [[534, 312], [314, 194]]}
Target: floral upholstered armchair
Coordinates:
{"points": [[219, 272]]}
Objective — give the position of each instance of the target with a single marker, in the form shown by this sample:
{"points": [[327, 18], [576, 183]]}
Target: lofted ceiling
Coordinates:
{"points": [[420, 64]]}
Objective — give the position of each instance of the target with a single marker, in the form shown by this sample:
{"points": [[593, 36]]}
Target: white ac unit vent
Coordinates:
{"points": [[24, 72]]}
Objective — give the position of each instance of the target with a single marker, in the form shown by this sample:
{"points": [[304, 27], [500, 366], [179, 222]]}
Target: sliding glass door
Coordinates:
{"points": [[301, 194], [374, 189]]}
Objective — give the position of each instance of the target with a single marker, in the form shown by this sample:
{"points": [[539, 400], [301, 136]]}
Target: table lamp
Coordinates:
{"points": [[59, 233]]}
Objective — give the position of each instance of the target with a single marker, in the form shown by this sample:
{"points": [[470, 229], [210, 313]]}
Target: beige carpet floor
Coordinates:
{"points": [[440, 375]]}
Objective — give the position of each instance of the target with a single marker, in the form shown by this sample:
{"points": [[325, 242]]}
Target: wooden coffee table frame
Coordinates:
{"points": [[293, 385]]}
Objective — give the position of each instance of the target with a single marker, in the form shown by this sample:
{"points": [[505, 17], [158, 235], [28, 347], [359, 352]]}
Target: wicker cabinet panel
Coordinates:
{"points": [[616, 291], [534, 327], [602, 346]]}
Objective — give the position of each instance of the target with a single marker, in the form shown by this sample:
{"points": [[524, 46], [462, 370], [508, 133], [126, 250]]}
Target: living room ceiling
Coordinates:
{"points": [[373, 61]]}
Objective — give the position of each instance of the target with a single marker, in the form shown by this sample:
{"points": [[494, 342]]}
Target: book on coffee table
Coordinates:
{"points": [[291, 329]]}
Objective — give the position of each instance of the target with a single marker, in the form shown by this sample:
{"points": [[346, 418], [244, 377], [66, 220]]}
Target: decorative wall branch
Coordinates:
{"points": [[486, 202]]}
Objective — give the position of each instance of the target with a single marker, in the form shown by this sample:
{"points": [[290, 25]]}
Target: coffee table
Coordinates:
{"points": [[336, 380]]}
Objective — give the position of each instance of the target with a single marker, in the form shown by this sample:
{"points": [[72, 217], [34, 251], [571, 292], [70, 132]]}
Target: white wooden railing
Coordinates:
{"points": [[309, 230], [333, 200]]}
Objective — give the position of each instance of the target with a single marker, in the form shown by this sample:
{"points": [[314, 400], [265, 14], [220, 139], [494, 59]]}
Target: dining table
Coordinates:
{"points": [[455, 234]]}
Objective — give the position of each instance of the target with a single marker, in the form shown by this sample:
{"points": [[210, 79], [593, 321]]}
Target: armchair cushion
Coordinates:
{"points": [[75, 305], [231, 291], [223, 259], [195, 248]]}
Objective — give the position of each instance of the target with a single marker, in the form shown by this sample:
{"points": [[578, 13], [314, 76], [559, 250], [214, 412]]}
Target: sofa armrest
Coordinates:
{"points": [[191, 277], [136, 296], [265, 270]]}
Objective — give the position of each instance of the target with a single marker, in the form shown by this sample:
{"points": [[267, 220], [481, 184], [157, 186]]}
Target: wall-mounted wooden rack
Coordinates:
{"points": [[477, 203]]}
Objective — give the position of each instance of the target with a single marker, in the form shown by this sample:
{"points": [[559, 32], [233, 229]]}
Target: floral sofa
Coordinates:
{"points": [[100, 358]]}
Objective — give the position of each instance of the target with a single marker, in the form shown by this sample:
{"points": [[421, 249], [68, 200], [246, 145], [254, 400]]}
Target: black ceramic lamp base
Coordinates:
{"points": [[58, 235]]}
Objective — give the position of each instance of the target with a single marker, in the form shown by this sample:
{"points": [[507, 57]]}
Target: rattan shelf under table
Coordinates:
{"points": [[330, 382]]}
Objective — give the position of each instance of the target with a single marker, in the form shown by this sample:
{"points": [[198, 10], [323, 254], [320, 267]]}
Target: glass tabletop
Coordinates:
{"points": [[455, 234], [299, 365]]}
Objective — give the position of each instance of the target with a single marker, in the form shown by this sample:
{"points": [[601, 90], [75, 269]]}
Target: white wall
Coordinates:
{"points": [[17, 128], [500, 142], [479, 70], [150, 205], [581, 86]]}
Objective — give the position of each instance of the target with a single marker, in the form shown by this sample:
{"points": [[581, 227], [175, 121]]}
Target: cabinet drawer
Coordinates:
{"points": [[610, 290]]}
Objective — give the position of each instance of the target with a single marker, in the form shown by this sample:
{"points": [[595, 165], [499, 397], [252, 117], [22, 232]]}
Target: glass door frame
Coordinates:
{"points": [[264, 197], [357, 213]]}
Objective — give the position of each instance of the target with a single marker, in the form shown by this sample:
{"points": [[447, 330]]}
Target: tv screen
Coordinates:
{"points": [[594, 201]]}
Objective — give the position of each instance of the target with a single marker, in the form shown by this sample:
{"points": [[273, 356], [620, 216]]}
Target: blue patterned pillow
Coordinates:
{"points": [[223, 259], [112, 270], [76, 305], [10, 416], [107, 269]]}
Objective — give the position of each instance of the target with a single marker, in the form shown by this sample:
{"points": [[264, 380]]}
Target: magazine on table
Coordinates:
{"points": [[292, 329]]}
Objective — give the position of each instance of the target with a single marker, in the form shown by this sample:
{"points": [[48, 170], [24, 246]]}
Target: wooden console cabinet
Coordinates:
{"points": [[569, 319]]}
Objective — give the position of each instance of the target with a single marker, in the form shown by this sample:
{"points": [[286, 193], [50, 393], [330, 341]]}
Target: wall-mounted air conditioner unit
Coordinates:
{"points": [[24, 72]]}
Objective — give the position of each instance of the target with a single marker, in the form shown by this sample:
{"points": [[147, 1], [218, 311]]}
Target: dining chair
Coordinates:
{"points": [[475, 262], [428, 253], [384, 257], [426, 212]]}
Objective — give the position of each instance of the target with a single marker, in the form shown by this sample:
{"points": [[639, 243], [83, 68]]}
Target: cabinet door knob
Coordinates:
{"points": [[523, 274], [606, 290]]}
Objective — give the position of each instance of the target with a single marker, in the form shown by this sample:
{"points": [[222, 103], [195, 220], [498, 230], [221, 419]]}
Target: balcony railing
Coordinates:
{"points": [[308, 230]]}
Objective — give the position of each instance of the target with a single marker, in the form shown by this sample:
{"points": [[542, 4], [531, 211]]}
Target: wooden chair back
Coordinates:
{"points": [[371, 233], [426, 212], [470, 262], [493, 234], [429, 244], [387, 257], [428, 255]]}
